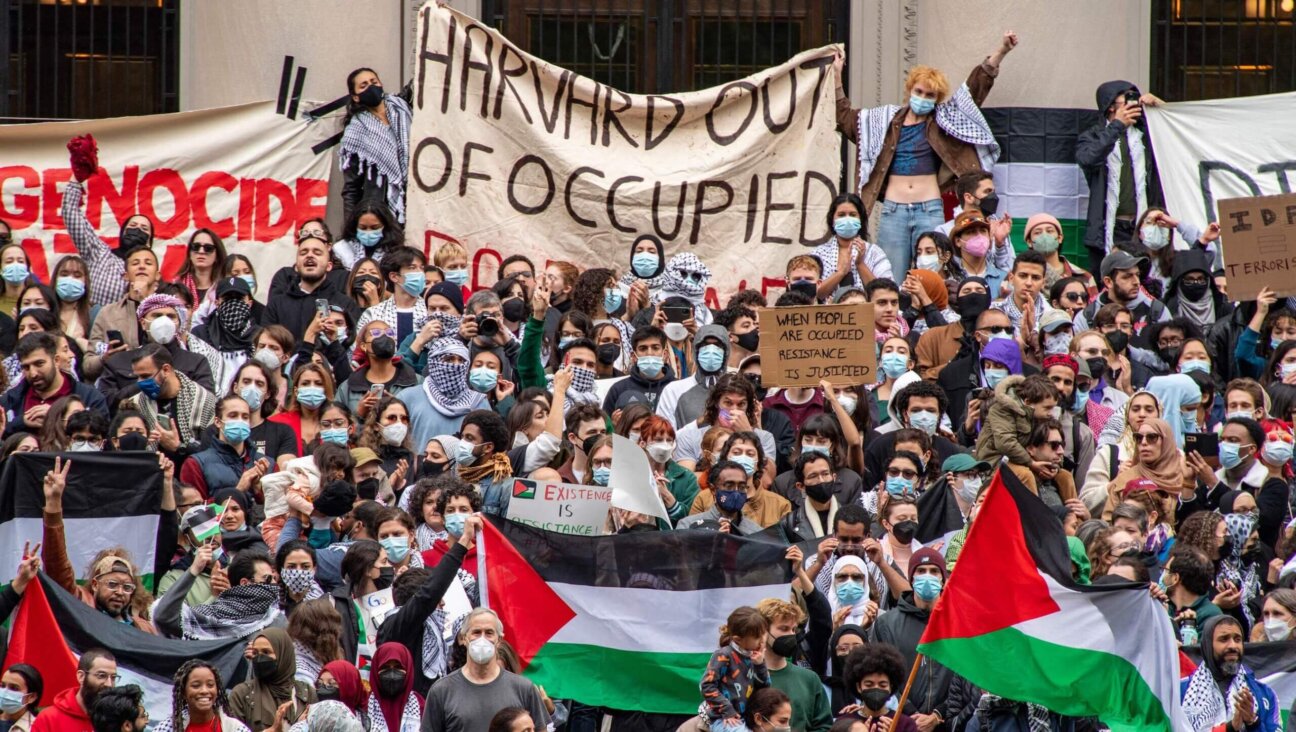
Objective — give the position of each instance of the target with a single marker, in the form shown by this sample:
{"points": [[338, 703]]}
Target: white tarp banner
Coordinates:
{"points": [[245, 172], [510, 154], [1223, 148]]}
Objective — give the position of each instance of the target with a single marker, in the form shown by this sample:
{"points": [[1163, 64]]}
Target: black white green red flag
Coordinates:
{"points": [[1012, 621], [625, 621]]}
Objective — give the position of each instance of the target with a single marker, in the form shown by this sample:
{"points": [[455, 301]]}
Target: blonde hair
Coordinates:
{"points": [[773, 609], [448, 251], [930, 77], [804, 261]]}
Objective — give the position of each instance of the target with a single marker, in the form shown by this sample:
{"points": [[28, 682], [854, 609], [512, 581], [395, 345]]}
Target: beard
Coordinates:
{"points": [[1230, 668]]}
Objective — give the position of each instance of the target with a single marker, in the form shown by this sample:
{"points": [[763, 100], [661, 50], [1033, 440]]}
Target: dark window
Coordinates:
{"points": [[79, 59], [1205, 49]]}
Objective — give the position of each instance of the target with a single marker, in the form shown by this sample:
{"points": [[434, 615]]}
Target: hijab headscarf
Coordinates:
{"points": [[1127, 435], [1234, 568], [351, 690], [269, 693], [328, 716], [393, 708], [1166, 469], [857, 610], [1079, 557], [1174, 392]]}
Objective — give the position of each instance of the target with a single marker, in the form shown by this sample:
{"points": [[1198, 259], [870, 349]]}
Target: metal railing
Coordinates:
{"points": [[1205, 49]]}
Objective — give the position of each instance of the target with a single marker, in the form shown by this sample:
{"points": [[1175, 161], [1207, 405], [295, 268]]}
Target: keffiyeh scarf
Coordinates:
{"points": [[959, 117], [239, 612], [1232, 568], [193, 406], [446, 384], [582, 388], [425, 536], [674, 284], [411, 715], [380, 152], [1203, 704]]}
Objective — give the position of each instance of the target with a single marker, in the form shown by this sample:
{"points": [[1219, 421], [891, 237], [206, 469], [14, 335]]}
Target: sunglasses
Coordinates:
{"points": [[204, 248], [689, 275], [998, 329], [380, 332], [1055, 445], [1151, 439], [902, 473], [1076, 296]]}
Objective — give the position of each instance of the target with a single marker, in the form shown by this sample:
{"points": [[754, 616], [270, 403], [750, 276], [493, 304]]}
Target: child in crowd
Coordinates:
{"points": [[735, 670], [1018, 402]]}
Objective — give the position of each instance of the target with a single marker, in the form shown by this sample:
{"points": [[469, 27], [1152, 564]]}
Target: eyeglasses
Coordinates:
{"points": [[902, 473], [849, 577], [204, 248], [1193, 281], [380, 332], [1150, 439], [1169, 342], [734, 485], [105, 676], [119, 586]]}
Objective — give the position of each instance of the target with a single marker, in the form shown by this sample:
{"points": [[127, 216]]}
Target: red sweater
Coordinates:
{"points": [[66, 715]]}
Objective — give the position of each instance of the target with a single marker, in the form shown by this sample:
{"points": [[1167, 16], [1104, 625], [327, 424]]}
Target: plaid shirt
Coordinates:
{"points": [[107, 270]]}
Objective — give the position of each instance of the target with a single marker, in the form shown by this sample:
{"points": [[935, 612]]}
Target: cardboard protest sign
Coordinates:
{"points": [[1259, 244], [509, 153], [560, 507], [800, 346]]}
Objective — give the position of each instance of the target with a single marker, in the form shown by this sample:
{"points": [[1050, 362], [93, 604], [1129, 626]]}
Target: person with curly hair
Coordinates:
{"points": [[875, 673], [198, 699]]}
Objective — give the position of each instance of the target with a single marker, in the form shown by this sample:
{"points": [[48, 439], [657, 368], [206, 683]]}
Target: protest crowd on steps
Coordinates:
{"points": [[351, 425]]}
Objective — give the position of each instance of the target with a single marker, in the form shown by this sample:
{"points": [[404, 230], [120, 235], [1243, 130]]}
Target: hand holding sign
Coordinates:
{"points": [[800, 346]]}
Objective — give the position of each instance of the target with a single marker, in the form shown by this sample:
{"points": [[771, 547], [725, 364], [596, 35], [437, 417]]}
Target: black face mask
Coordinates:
{"points": [[1118, 339], [514, 309], [358, 285], [367, 489], [133, 239], [1252, 555], [805, 288], [1170, 355], [755, 380], [1097, 367], [971, 305], [904, 531], [431, 469], [372, 96], [989, 204], [327, 692], [786, 645], [263, 667], [875, 699], [1193, 291], [386, 575], [383, 347], [749, 341], [1226, 549], [820, 493], [588, 445], [391, 682], [132, 441], [608, 352], [836, 666]]}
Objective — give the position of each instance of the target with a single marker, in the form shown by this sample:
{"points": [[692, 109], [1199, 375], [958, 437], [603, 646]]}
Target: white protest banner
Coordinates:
{"points": [[1222, 148], [510, 154], [245, 172], [634, 488], [560, 507]]}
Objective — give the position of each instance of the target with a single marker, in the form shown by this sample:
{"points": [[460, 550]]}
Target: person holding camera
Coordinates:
{"points": [[1119, 166], [482, 327]]}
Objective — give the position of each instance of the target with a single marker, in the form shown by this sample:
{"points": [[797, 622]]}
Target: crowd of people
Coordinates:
{"points": [[346, 437]]}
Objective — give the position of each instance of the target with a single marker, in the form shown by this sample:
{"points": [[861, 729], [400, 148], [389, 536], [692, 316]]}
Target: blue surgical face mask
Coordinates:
{"points": [[1274, 342], [414, 283], [565, 341], [807, 449], [898, 485], [925, 421], [997, 336], [69, 288], [14, 273], [369, 238], [921, 106], [1189, 421], [236, 431], [927, 587], [1277, 452], [1191, 365], [602, 475], [1230, 454], [993, 376], [651, 366], [454, 523], [747, 462], [483, 379], [311, 396], [894, 364], [612, 300], [710, 358], [251, 282], [847, 227], [645, 264], [1081, 399], [457, 276], [11, 701], [1240, 414], [335, 435], [850, 592], [150, 386], [464, 453], [252, 396], [397, 547]]}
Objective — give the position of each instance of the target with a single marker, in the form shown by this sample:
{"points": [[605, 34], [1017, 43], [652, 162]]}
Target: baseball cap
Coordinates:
{"points": [[364, 456], [1139, 484], [962, 462], [968, 219], [111, 564], [1119, 259], [1053, 320], [233, 285]]}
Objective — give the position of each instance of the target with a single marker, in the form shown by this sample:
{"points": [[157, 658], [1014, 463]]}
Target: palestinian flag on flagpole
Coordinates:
{"points": [[1012, 621], [626, 621], [52, 629], [111, 500]]}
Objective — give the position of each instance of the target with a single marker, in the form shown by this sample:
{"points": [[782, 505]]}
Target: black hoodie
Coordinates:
{"points": [[1195, 260], [1092, 148], [294, 309]]}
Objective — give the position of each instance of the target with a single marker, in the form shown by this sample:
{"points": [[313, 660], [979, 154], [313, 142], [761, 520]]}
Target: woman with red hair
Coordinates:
{"points": [[676, 484]]}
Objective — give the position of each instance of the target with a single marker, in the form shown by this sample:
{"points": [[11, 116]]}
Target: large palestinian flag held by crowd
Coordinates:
{"points": [[624, 621], [1012, 621], [52, 629], [111, 500]]}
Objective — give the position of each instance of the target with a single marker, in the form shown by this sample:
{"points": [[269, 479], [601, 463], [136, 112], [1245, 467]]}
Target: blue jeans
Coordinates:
{"points": [[900, 226]]}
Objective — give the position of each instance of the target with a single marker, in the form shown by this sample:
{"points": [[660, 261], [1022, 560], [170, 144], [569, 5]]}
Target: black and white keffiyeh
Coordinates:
{"points": [[1233, 568], [380, 152], [446, 384], [411, 715], [958, 116], [675, 283], [239, 612], [425, 536], [1037, 717], [1203, 703]]}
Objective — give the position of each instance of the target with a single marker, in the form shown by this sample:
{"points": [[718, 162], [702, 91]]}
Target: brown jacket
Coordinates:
{"points": [[936, 348], [1063, 480], [59, 567], [957, 156]]}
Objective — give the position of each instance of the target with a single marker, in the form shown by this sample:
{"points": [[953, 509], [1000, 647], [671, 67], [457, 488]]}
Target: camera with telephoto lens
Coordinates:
{"points": [[488, 327]]}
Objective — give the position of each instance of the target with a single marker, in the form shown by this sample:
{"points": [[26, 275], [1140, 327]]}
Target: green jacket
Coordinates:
{"points": [[684, 486], [530, 369], [810, 710]]}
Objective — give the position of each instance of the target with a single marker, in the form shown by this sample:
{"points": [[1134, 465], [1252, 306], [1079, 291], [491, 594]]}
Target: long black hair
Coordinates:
{"points": [[353, 107], [35, 682], [393, 234], [855, 201], [181, 680]]}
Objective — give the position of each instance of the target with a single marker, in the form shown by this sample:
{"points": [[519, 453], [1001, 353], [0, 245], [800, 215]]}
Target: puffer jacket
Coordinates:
{"points": [[1007, 425]]}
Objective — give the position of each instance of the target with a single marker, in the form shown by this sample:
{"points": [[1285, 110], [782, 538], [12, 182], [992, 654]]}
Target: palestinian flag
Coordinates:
{"points": [[1106, 651], [112, 500], [52, 629], [1274, 665], [626, 621]]}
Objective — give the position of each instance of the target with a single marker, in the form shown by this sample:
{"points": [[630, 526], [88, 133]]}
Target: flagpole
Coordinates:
{"points": [[913, 674]]}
